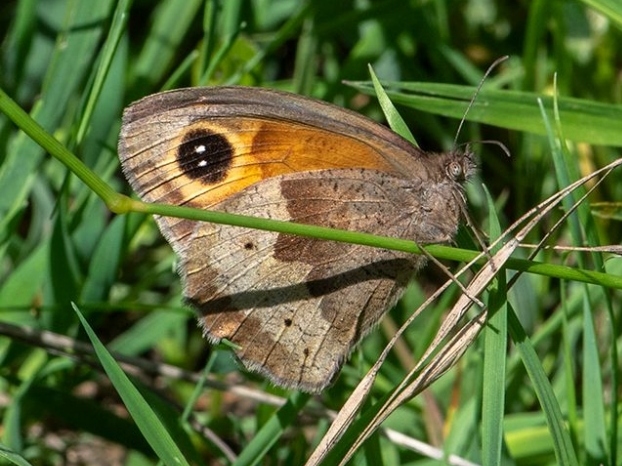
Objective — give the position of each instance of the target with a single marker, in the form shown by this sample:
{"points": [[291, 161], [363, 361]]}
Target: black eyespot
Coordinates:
{"points": [[205, 155], [288, 322]]}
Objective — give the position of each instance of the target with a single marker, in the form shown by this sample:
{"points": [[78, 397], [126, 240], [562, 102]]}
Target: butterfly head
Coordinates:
{"points": [[460, 165]]}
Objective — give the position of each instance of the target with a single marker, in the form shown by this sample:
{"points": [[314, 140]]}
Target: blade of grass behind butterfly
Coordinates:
{"points": [[395, 120], [290, 29], [583, 228], [207, 44], [584, 120], [495, 359], [222, 20], [145, 418], [305, 66]]}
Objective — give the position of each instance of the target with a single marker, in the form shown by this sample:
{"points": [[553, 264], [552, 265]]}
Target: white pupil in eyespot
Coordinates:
{"points": [[200, 150]]}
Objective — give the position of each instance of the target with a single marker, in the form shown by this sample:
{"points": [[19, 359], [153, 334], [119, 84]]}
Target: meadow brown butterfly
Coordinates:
{"points": [[294, 306]]}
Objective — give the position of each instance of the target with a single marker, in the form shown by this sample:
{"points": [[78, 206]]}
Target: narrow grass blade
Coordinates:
{"points": [[146, 419], [395, 120], [12, 458], [564, 450], [272, 431], [495, 358], [584, 120]]}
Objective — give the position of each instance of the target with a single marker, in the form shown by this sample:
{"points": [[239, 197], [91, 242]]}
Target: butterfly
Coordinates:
{"points": [[294, 307]]}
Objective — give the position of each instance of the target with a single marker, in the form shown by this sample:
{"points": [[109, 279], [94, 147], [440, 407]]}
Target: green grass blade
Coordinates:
{"points": [[395, 120], [584, 120], [495, 344], [12, 458], [562, 445], [105, 263], [110, 47], [146, 419], [170, 23], [272, 431]]}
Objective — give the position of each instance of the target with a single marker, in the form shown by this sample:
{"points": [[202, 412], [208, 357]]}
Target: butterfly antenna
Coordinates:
{"points": [[502, 146], [476, 232], [479, 87]]}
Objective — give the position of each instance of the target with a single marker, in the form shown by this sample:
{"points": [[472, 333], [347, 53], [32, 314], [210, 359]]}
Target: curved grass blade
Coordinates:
{"points": [[146, 419]]}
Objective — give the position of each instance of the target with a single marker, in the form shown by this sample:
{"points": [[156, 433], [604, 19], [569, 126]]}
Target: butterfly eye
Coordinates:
{"points": [[455, 170]]}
